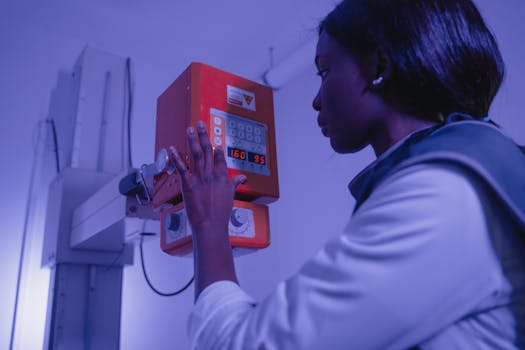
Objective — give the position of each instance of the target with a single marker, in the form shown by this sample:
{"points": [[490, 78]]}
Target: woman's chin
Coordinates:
{"points": [[346, 147]]}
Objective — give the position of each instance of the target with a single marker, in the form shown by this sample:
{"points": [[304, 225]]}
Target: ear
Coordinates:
{"points": [[379, 69]]}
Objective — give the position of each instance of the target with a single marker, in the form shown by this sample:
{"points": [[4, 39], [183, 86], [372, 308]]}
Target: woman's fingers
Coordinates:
{"points": [[207, 162], [181, 167], [219, 167], [201, 151], [237, 180], [207, 151], [196, 151]]}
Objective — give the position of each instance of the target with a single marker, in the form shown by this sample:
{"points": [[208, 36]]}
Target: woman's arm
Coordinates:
{"points": [[208, 198]]}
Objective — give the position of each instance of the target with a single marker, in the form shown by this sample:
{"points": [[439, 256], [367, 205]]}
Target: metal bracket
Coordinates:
{"points": [[140, 183]]}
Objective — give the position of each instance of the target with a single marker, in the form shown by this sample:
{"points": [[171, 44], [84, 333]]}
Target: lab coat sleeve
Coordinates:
{"points": [[415, 258]]}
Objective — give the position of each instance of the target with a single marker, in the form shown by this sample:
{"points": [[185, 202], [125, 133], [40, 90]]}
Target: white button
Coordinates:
{"points": [[257, 131], [217, 131], [249, 137], [231, 124], [217, 120], [241, 134], [217, 141], [258, 139], [249, 128], [241, 126]]}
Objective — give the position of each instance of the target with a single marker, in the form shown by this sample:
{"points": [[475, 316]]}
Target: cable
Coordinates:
{"points": [[130, 164], [55, 139], [146, 275], [22, 249], [130, 106], [55, 142], [29, 207]]}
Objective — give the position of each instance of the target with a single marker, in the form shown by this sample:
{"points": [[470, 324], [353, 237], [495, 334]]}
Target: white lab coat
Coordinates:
{"points": [[426, 260]]}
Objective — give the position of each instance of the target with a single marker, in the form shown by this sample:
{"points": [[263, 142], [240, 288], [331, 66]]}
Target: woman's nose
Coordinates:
{"points": [[316, 104]]}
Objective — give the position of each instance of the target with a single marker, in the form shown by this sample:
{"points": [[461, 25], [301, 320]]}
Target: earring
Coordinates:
{"points": [[376, 82]]}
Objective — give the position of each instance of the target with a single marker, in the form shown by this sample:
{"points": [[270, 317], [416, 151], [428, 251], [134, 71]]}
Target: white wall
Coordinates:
{"points": [[37, 40]]}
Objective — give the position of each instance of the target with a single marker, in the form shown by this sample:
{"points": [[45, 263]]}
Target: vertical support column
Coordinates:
{"points": [[84, 303], [84, 307]]}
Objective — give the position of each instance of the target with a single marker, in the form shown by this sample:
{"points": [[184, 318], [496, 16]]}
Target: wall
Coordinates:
{"points": [[37, 41]]}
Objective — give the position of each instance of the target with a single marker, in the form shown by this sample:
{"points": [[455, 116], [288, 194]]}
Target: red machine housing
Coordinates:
{"points": [[239, 117], [194, 94]]}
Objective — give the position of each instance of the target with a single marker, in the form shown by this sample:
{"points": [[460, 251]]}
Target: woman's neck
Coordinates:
{"points": [[397, 126]]}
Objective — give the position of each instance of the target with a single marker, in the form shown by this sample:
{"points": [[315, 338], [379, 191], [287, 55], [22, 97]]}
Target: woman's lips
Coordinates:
{"points": [[323, 125], [324, 130]]}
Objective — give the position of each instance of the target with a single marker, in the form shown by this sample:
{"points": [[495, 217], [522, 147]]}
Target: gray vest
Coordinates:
{"points": [[478, 147]]}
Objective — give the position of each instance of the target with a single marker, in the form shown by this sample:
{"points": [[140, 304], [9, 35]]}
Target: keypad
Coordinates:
{"points": [[243, 134]]}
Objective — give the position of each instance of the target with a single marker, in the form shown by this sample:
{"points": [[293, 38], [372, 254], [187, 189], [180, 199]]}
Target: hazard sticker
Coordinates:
{"points": [[241, 98]]}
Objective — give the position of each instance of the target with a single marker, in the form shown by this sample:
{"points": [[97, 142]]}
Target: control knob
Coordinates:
{"points": [[239, 217]]}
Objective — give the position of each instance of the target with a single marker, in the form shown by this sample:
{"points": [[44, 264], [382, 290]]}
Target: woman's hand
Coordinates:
{"points": [[207, 191], [208, 198]]}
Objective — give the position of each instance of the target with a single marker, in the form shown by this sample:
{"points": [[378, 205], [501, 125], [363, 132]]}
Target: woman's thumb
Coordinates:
{"points": [[239, 179]]}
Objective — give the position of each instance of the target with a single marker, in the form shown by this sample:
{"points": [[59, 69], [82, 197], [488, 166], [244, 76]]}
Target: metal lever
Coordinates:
{"points": [[140, 183], [162, 163]]}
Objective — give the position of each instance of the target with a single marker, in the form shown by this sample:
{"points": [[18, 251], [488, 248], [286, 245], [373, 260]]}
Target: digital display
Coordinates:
{"points": [[241, 154], [237, 153], [257, 158]]}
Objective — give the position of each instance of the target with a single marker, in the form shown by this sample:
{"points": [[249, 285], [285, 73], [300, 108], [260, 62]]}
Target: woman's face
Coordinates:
{"points": [[346, 105]]}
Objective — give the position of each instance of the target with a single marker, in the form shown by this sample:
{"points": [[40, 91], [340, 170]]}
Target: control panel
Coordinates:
{"points": [[247, 228], [243, 140]]}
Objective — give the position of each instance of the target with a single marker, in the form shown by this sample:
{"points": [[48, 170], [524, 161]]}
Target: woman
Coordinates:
{"points": [[433, 254]]}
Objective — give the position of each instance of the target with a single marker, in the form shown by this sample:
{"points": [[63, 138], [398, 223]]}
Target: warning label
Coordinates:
{"points": [[241, 98]]}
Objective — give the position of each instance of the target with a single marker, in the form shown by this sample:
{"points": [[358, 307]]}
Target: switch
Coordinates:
{"points": [[173, 222]]}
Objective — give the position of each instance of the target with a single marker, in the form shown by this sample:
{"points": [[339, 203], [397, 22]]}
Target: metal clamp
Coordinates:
{"points": [[140, 183]]}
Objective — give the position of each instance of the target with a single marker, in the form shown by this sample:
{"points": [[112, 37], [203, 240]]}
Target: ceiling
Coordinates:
{"points": [[224, 31]]}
